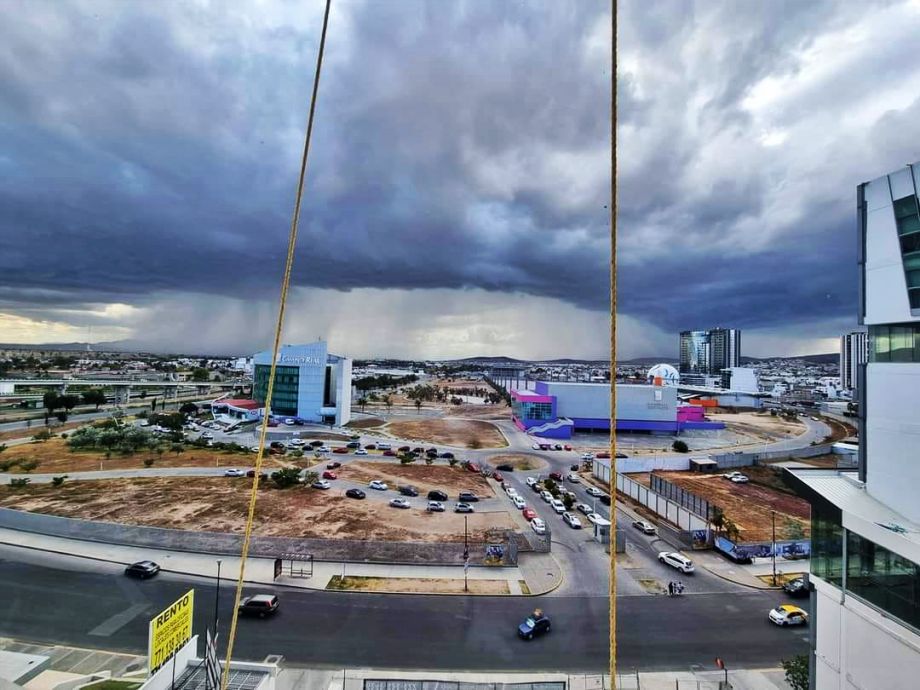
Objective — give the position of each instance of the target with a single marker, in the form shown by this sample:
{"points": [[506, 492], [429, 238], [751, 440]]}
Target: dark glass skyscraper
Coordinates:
{"points": [[709, 352]]}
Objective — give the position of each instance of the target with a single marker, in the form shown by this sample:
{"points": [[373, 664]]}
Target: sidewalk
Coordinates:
{"points": [[539, 571]]}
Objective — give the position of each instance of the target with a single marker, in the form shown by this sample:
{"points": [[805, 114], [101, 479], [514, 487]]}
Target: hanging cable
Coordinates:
{"points": [[613, 345], [266, 413]]}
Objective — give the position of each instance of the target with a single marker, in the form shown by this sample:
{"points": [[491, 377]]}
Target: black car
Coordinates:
{"points": [[142, 569], [574, 467], [355, 493], [260, 605], [437, 495], [447, 456], [621, 455], [796, 588], [605, 499], [407, 490], [353, 444], [467, 497], [505, 468], [536, 624], [262, 475]]}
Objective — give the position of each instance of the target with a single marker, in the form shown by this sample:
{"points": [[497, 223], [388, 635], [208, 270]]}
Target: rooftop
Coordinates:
{"points": [[241, 403]]}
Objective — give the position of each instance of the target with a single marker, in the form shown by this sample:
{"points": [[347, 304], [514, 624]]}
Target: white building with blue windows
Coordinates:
{"points": [[865, 525], [311, 385]]}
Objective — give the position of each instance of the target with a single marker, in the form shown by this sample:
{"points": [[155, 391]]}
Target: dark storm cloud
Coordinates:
{"points": [[153, 148]]}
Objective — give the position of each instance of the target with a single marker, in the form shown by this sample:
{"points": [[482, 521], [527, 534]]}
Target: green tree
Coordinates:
{"points": [[717, 518], [177, 448], [429, 460], [51, 402], [28, 465], [200, 374], [287, 477], [19, 482], [568, 501], [796, 670], [680, 447], [2, 447], [387, 400], [362, 402], [418, 405], [406, 458], [94, 396], [68, 402], [57, 481], [550, 486], [452, 461]]}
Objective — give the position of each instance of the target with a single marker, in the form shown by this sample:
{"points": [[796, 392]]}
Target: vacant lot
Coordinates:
{"points": [[416, 585], [54, 456], [760, 426], [424, 477], [220, 505], [518, 461], [749, 505], [368, 423], [450, 432]]}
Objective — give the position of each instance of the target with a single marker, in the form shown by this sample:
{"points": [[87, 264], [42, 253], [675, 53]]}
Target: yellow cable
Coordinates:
{"points": [[285, 283], [613, 347]]}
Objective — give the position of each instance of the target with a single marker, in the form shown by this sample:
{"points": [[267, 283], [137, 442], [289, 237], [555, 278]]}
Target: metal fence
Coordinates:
{"points": [[681, 496], [380, 684], [670, 510]]}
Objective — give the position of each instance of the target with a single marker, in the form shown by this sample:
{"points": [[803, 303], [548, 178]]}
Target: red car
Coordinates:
{"points": [[333, 465], [603, 454], [371, 446], [473, 467], [567, 447], [497, 476], [555, 476], [329, 474], [340, 451], [390, 453], [529, 514]]}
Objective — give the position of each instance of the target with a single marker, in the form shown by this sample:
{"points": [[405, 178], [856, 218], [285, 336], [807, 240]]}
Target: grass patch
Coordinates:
{"points": [[416, 585], [114, 685], [781, 578], [524, 588]]}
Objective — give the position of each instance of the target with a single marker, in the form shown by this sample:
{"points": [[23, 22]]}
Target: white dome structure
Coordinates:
{"points": [[663, 375]]}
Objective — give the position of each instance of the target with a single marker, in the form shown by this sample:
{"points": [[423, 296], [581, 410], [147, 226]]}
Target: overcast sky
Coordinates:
{"points": [[459, 176]]}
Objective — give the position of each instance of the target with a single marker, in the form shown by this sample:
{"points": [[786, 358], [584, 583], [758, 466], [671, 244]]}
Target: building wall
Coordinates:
{"points": [[854, 351], [591, 402], [343, 392]]}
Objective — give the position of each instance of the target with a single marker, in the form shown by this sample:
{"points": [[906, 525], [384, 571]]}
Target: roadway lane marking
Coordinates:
{"points": [[115, 623]]}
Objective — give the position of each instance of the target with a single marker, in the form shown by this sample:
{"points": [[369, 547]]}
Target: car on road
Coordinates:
{"points": [[558, 506], [463, 508], [399, 503], [389, 453], [378, 485], [353, 444], [323, 449], [262, 475], [472, 467], [370, 446], [435, 507], [546, 496], [584, 508], [355, 493], [605, 499], [329, 474], [530, 481], [556, 476], [571, 520], [675, 560], [595, 518], [437, 495], [447, 455], [321, 484], [567, 447], [574, 467], [535, 624], [644, 526], [787, 614], [467, 497], [407, 490], [594, 491], [603, 455], [340, 451], [529, 514], [260, 605], [334, 465], [505, 468], [796, 588], [233, 472], [587, 456], [536, 446], [538, 526], [574, 478], [142, 570], [289, 422], [297, 442], [360, 451], [518, 502]]}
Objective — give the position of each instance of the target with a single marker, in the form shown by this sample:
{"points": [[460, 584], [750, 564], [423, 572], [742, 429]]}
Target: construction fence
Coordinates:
{"points": [[662, 506]]}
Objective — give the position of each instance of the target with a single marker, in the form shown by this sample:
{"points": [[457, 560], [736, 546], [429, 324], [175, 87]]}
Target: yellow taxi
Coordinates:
{"points": [[787, 614]]}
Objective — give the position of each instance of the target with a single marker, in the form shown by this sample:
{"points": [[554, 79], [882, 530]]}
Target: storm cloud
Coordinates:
{"points": [[149, 152]]}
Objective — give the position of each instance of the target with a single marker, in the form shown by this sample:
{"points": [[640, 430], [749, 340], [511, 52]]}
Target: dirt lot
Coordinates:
{"points": [[370, 423], [451, 432], [53, 456], [760, 427], [416, 585], [749, 505], [518, 462], [35, 428], [424, 477], [220, 505]]}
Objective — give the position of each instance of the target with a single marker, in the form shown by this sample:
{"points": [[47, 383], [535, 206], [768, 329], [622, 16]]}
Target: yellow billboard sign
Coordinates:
{"points": [[169, 630]]}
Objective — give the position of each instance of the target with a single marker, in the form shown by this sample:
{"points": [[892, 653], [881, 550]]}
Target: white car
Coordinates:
{"points": [[435, 507], [546, 496], [594, 518], [788, 615], [379, 485], [675, 560], [206, 435], [254, 449], [574, 478], [234, 473], [360, 451], [519, 502], [531, 481], [298, 442], [594, 491], [324, 449], [740, 479], [538, 526], [289, 422], [512, 492], [383, 446], [584, 508], [536, 446], [321, 484], [587, 456], [571, 520], [400, 503], [558, 506]]}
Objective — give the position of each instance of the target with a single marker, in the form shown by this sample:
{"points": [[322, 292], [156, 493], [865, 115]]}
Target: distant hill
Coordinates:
{"points": [[828, 358], [114, 346], [637, 361]]}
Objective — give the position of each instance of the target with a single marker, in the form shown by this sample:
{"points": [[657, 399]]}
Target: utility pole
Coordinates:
{"points": [[466, 554], [773, 550], [216, 601]]}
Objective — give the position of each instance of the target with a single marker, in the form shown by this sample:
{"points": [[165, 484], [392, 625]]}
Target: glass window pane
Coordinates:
{"points": [[908, 224], [884, 579], [911, 262], [905, 207], [910, 243], [913, 278], [902, 343], [914, 298], [880, 345]]}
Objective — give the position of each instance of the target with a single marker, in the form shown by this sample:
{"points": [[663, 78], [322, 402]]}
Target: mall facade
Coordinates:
{"points": [[311, 385]]}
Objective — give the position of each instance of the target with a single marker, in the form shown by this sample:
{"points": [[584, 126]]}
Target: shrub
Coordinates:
{"points": [[550, 485], [64, 435], [19, 482], [452, 461], [57, 481], [148, 462], [568, 501], [429, 460], [474, 443], [287, 477], [796, 670], [43, 435], [177, 448], [7, 464], [28, 465], [296, 453], [2, 447], [680, 447]]}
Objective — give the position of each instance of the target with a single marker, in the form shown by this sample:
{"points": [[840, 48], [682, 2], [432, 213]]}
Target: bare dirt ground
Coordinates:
{"points": [[829, 461], [499, 412], [424, 477], [761, 427], [54, 456], [36, 427], [749, 505], [416, 585], [518, 462], [452, 432], [220, 505], [365, 423]]}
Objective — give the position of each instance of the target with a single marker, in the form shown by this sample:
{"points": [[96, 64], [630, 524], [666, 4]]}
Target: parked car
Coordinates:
{"points": [[567, 447], [384, 446], [321, 484], [732, 475], [355, 493], [370, 446], [594, 491], [399, 503], [297, 442], [316, 444], [142, 570], [260, 605], [378, 485], [207, 435], [289, 422], [574, 467], [587, 456], [556, 476], [435, 507], [787, 614], [537, 487], [584, 508], [740, 479], [437, 495], [595, 518], [340, 451], [467, 497], [546, 496], [334, 465], [447, 456], [518, 502], [389, 453], [472, 467], [530, 481], [675, 560], [620, 456], [505, 468], [329, 474], [360, 451], [535, 624], [497, 477], [538, 526], [558, 506], [557, 446], [796, 588], [262, 475], [432, 451], [463, 508], [605, 499], [353, 444], [536, 446], [323, 449], [529, 514], [407, 490], [571, 520], [233, 472], [604, 455], [574, 478], [644, 526]]}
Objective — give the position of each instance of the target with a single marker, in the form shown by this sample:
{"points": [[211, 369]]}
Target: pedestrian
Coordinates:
{"points": [[671, 588], [680, 587]]}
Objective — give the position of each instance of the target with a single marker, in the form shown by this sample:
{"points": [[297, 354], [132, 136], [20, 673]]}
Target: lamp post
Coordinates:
{"points": [[773, 549], [217, 598], [466, 554]]}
